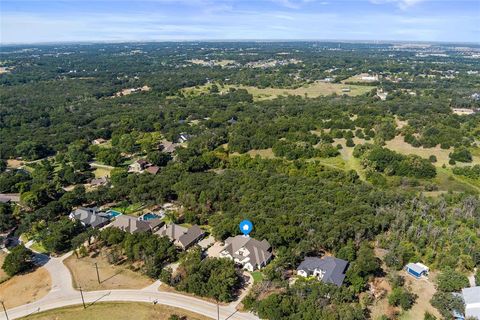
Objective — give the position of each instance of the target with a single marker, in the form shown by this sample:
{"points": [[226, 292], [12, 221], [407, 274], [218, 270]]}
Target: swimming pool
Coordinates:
{"points": [[113, 213], [149, 216]]}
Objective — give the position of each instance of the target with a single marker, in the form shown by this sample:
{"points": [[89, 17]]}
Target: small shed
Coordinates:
{"points": [[417, 269]]}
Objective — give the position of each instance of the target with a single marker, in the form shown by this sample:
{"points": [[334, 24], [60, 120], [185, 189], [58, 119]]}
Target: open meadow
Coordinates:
{"points": [[117, 311], [313, 90]]}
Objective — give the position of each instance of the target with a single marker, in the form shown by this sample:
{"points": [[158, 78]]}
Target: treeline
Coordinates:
{"points": [[214, 278], [440, 233], [152, 251], [472, 172]]}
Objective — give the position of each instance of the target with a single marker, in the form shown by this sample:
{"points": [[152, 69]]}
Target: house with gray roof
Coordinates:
{"points": [[9, 197], [90, 217], [471, 296], [132, 224], [248, 252], [181, 236], [326, 269]]}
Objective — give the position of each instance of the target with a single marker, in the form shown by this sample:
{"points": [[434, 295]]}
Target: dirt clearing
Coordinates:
{"points": [[111, 277], [25, 288]]}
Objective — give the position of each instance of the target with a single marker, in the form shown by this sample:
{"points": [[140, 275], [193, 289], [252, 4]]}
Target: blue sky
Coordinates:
{"points": [[108, 20]]}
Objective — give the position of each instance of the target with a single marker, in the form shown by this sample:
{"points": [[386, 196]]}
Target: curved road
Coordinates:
{"points": [[63, 294]]}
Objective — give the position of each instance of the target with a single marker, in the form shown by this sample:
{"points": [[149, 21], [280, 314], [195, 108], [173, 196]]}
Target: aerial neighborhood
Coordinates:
{"points": [[240, 180]]}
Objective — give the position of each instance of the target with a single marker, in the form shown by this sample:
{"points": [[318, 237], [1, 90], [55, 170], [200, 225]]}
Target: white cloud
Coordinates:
{"points": [[293, 4], [402, 4]]}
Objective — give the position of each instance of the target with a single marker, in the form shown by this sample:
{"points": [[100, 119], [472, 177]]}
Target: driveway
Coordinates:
{"points": [[63, 294]]}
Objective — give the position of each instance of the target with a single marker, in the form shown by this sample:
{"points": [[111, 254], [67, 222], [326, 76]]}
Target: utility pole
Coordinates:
{"points": [[218, 311], [83, 301], [5, 310], [98, 275]]}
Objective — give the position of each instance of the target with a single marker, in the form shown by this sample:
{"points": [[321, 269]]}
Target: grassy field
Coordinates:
{"points": [[397, 144], [101, 170], [425, 290], [111, 277], [130, 209], [311, 90], [263, 153], [117, 311], [446, 180], [25, 288]]}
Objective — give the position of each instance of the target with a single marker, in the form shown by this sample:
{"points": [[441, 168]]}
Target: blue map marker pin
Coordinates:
{"points": [[246, 226]]}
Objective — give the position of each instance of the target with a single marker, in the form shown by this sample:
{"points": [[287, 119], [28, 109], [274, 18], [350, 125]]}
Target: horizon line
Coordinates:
{"points": [[237, 40]]}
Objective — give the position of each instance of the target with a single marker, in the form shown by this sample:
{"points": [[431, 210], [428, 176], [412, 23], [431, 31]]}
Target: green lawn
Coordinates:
{"points": [[447, 181], [38, 247], [131, 208], [257, 276], [312, 90]]}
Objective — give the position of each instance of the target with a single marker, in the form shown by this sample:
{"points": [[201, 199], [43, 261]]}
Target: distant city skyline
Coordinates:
{"points": [[179, 20]]}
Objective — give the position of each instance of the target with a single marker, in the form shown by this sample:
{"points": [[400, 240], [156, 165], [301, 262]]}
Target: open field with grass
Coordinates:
{"points": [[359, 78], [25, 288], [346, 153], [221, 63], [117, 311], [424, 289], [262, 153], [130, 209], [448, 181], [397, 144], [313, 90], [111, 277], [101, 170]]}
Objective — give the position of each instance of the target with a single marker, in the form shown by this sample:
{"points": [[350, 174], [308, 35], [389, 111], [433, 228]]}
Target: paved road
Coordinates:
{"points": [[63, 294]]}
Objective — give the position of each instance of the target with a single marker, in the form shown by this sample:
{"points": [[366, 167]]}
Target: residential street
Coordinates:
{"points": [[63, 294]]}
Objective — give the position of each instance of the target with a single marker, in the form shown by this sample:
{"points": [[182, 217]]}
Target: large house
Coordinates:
{"points": [[326, 269], [132, 224], [9, 197], [142, 165], [168, 147], [471, 296], [181, 236], [90, 217], [184, 137], [99, 141], [248, 252], [96, 182], [138, 166]]}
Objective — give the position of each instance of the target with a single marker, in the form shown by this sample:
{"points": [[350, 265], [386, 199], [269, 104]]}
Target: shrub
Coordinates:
{"points": [[402, 298], [461, 154], [20, 259], [450, 280], [350, 143]]}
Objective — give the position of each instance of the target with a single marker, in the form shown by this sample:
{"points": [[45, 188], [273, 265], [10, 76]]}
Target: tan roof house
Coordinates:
{"points": [[248, 252], [181, 236], [132, 224]]}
